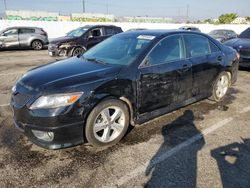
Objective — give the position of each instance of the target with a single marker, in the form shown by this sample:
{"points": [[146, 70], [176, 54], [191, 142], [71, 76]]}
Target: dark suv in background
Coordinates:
{"points": [[81, 39], [23, 37]]}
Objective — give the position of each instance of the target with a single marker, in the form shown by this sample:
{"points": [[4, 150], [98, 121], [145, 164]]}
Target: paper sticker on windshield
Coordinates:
{"points": [[146, 37]]}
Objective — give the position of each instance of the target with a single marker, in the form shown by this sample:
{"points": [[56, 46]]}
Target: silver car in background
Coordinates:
{"points": [[23, 37]]}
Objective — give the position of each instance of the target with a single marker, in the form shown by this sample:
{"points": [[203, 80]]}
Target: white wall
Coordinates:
{"points": [[56, 29]]}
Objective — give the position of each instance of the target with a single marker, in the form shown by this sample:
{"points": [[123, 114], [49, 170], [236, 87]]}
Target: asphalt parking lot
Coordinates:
{"points": [[205, 144]]}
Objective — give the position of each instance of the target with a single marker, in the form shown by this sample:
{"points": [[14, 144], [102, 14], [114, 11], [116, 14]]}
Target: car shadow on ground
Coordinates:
{"points": [[233, 161], [179, 170]]}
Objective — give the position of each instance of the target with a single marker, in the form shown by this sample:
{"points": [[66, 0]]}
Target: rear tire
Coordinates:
{"points": [[37, 45], [107, 123], [220, 87]]}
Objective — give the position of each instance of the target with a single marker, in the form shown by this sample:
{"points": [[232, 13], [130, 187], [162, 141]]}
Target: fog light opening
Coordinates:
{"points": [[43, 135]]}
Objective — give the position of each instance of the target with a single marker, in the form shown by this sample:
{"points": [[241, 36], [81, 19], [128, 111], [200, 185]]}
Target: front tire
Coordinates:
{"points": [[221, 87], [107, 123], [78, 51], [37, 45]]}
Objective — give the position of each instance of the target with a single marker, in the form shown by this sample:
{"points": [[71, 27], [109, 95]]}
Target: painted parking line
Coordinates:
{"points": [[4, 105], [141, 169], [13, 73]]}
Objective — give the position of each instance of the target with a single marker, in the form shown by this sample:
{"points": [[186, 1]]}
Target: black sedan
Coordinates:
{"points": [[242, 45], [223, 35], [126, 80]]}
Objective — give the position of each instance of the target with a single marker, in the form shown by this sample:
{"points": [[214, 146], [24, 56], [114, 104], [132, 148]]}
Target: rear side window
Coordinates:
{"points": [[110, 31], [167, 50], [197, 45], [26, 31]]}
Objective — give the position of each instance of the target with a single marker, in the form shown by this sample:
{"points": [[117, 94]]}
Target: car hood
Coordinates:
{"points": [[67, 73], [62, 39], [238, 43]]}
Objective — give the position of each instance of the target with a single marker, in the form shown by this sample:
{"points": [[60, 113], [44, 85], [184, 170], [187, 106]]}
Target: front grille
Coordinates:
{"points": [[20, 99], [245, 52]]}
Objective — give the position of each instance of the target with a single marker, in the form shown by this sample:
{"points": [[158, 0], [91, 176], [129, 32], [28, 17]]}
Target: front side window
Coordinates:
{"points": [[167, 50], [96, 32], [10, 32], [197, 45]]}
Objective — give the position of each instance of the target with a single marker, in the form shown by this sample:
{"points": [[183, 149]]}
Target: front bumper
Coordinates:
{"points": [[64, 136], [54, 50], [66, 124]]}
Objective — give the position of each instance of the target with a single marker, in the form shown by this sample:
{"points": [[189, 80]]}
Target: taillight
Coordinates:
{"points": [[44, 33]]}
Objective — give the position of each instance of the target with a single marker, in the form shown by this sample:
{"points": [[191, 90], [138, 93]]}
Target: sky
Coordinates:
{"points": [[197, 9]]}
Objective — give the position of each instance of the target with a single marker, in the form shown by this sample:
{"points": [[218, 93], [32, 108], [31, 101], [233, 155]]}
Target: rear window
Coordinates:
{"points": [[26, 30]]}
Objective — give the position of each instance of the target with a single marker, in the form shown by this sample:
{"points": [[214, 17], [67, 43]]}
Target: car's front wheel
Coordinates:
{"points": [[107, 123], [78, 51], [221, 86]]}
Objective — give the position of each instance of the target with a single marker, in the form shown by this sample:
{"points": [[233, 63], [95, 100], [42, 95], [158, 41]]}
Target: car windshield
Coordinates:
{"points": [[120, 49], [245, 34], [217, 32], [77, 32]]}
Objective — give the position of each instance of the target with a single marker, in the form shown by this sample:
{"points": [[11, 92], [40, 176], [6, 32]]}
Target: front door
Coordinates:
{"points": [[9, 39], [165, 76]]}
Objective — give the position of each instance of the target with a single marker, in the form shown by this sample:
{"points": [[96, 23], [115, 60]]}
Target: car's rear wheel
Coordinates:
{"points": [[221, 86], [37, 45], [107, 123], [78, 51]]}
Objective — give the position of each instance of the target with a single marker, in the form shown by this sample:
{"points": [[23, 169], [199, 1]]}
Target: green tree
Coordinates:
{"points": [[248, 18], [227, 18]]}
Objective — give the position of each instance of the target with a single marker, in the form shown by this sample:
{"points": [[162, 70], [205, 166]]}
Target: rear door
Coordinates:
{"points": [[165, 76], [206, 59], [24, 36], [9, 38]]}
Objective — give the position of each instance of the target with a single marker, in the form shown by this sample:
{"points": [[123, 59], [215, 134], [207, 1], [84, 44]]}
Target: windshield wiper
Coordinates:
{"points": [[95, 60]]}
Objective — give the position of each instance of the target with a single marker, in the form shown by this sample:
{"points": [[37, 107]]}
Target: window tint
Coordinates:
{"points": [[197, 45], [110, 31], [213, 47], [11, 32], [25, 31], [245, 34], [169, 49], [96, 32]]}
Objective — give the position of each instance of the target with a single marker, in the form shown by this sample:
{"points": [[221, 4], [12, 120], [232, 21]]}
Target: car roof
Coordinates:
{"points": [[23, 27], [93, 26], [222, 30], [160, 32]]}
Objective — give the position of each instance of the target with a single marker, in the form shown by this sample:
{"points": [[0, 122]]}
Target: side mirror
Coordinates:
{"points": [[90, 37]]}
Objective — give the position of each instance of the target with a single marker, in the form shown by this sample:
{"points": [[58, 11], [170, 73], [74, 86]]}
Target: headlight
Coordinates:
{"points": [[54, 101], [65, 45]]}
